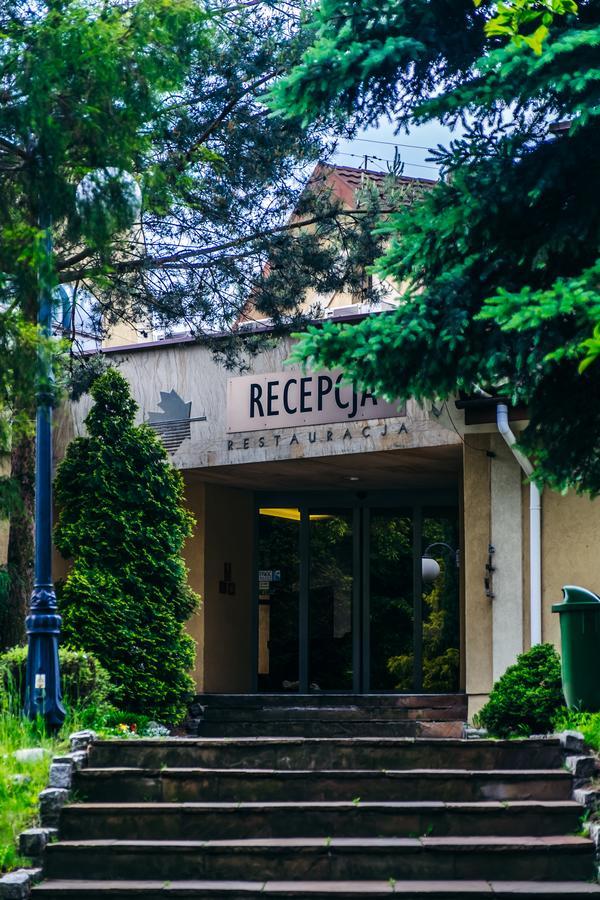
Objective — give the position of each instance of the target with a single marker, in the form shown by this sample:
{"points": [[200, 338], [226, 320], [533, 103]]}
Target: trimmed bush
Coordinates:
{"points": [[85, 683], [122, 521], [527, 698]]}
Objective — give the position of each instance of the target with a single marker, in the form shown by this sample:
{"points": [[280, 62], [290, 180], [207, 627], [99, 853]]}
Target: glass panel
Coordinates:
{"points": [[278, 599], [330, 600], [441, 611], [391, 600]]}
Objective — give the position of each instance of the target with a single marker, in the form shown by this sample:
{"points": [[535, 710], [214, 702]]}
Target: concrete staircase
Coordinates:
{"points": [[311, 816]]}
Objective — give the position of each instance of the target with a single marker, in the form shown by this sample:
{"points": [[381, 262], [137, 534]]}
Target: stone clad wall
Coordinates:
{"points": [[193, 373]]}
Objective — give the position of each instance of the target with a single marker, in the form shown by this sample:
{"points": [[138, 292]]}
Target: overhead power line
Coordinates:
{"points": [[369, 156], [390, 143]]}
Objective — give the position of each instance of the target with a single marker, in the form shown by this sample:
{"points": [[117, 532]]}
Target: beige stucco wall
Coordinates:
{"points": [[222, 625], [228, 618], [478, 607], [570, 538], [570, 529], [123, 333]]}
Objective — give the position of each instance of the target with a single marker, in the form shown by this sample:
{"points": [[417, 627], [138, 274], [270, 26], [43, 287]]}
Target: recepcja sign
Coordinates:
{"points": [[291, 399]]}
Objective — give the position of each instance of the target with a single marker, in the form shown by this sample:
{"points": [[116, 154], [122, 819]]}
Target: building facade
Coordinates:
{"points": [[315, 504]]}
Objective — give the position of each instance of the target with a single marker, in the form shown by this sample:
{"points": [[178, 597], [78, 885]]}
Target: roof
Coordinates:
{"points": [[345, 181]]}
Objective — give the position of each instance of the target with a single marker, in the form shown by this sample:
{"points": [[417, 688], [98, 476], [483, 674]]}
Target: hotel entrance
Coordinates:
{"points": [[340, 602]]}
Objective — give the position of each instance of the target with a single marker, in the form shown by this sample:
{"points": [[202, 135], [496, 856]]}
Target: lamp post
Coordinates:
{"points": [[43, 696], [96, 196]]}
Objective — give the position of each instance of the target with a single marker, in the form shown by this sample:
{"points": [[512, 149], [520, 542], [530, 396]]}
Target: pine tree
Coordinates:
{"points": [[502, 257], [99, 100], [122, 522]]}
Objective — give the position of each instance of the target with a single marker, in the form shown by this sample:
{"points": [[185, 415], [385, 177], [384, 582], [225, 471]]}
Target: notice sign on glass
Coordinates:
{"points": [[291, 399]]}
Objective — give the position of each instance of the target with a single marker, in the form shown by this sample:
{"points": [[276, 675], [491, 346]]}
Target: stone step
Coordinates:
{"points": [[389, 701], [317, 890], [318, 727], [537, 858], [331, 714], [328, 753], [217, 821], [267, 785]]}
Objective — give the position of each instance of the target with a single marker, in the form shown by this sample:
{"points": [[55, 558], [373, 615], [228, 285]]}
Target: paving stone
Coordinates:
{"points": [[32, 842], [582, 767], [52, 801], [15, 886], [573, 741], [31, 754], [81, 740], [61, 776]]}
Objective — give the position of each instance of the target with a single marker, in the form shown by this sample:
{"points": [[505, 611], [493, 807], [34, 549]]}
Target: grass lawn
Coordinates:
{"points": [[20, 782]]}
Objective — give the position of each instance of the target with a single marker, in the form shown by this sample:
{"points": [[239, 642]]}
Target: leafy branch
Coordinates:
{"points": [[527, 21]]}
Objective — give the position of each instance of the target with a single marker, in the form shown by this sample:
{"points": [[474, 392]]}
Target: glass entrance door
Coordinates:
{"points": [[340, 600], [331, 589], [388, 602]]}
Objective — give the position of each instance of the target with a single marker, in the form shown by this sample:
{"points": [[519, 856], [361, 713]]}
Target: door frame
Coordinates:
{"points": [[360, 502]]}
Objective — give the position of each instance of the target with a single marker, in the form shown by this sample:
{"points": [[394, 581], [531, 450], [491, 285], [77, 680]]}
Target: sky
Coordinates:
{"points": [[378, 145]]}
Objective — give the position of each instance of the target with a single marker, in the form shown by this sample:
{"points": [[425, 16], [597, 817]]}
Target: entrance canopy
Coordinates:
{"points": [[423, 467]]}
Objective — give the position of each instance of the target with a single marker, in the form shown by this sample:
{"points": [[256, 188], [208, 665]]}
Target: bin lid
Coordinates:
{"points": [[576, 598]]}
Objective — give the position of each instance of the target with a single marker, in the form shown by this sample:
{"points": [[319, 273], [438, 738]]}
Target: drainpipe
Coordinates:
{"points": [[535, 530]]}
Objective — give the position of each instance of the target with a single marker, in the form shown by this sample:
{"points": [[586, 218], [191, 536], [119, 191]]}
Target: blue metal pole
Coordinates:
{"points": [[43, 695]]}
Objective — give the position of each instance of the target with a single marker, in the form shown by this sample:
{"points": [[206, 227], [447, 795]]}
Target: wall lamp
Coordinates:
{"points": [[430, 568]]}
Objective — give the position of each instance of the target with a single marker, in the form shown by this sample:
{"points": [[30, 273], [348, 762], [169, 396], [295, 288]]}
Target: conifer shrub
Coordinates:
{"points": [[122, 522], [528, 697]]}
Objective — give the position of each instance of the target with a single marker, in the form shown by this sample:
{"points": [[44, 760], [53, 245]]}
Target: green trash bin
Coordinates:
{"points": [[580, 642]]}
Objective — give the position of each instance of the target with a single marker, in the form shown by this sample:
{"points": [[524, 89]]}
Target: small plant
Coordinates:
{"points": [[527, 698]]}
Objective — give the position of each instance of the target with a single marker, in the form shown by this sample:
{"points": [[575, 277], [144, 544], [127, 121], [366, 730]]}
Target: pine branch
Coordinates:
{"points": [[227, 109], [144, 262]]}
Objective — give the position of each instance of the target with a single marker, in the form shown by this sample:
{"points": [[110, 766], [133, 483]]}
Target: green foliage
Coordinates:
{"points": [[365, 57], [20, 374], [528, 697], [592, 349], [20, 782], [498, 261], [527, 21], [122, 522], [585, 722], [166, 98], [85, 683], [86, 688]]}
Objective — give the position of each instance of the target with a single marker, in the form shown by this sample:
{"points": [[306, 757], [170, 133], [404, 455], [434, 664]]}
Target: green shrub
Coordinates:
{"points": [[85, 683], [122, 521], [528, 697]]}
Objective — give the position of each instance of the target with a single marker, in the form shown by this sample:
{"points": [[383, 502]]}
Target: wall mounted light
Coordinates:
{"points": [[430, 568]]}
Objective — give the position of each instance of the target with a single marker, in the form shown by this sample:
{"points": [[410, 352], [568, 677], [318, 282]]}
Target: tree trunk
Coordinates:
{"points": [[20, 545]]}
